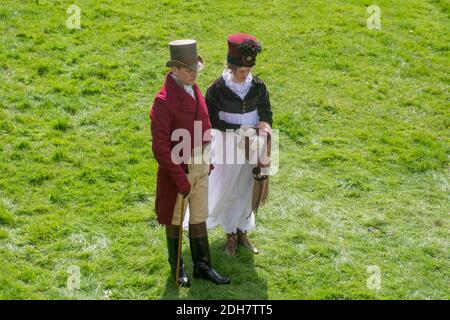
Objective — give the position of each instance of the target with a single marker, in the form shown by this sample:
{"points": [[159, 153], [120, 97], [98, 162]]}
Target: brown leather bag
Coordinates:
{"points": [[260, 173]]}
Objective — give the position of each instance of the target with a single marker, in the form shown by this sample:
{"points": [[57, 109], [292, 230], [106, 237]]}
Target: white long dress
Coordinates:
{"points": [[231, 185]]}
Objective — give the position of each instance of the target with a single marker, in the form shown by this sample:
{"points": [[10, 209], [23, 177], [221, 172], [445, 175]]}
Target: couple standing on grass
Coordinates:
{"points": [[217, 193]]}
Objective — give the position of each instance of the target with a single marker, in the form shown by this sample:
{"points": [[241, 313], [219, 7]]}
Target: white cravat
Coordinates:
{"points": [[240, 88]]}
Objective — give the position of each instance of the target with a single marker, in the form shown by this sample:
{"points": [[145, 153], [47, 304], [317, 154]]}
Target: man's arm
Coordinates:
{"points": [[161, 128]]}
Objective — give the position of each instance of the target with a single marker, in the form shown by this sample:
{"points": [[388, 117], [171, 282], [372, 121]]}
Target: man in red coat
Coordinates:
{"points": [[180, 129]]}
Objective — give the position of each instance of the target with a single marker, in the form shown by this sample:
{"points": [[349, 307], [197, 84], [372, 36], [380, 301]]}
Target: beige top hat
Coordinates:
{"points": [[183, 53]]}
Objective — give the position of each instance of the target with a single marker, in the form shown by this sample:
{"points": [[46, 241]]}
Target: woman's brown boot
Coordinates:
{"points": [[231, 244], [245, 241]]}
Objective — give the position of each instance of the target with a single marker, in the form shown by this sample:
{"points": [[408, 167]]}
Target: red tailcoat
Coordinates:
{"points": [[173, 108]]}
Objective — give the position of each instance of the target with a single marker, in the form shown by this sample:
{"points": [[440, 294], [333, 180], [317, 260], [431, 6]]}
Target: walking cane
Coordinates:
{"points": [[180, 237]]}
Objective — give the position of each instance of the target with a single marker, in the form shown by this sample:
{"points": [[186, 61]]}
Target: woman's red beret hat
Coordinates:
{"points": [[242, 49]]}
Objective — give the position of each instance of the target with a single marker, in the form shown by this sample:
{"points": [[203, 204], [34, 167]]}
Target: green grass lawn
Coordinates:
{"points": [[364, 143]]}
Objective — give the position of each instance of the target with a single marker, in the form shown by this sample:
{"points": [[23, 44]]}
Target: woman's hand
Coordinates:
{"points": [[264, 126]]}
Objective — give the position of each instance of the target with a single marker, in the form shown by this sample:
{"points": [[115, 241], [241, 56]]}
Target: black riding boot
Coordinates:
{"points": [[172, 233], [198, 239]]}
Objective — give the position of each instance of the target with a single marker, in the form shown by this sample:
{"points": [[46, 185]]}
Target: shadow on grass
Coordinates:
{"points": [[245, 282]]}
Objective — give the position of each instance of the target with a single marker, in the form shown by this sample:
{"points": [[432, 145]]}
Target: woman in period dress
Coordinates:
{"points": [[236, 100]]}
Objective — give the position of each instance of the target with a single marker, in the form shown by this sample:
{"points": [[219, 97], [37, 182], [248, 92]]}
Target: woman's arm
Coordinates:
{"points": [[213, 104], [264, 108]]}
